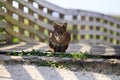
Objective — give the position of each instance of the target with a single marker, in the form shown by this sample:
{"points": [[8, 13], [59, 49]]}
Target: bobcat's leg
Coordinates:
{"points": [[60, 48], [63, 48], [54, 48], [51, 47], [57, 49]]}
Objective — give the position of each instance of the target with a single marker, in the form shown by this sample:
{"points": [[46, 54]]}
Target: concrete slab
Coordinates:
{"points": [[32, 72]]}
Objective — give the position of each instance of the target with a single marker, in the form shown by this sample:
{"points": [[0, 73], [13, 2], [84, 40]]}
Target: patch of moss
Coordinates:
{"points": [[78, 55], [48, 63]]}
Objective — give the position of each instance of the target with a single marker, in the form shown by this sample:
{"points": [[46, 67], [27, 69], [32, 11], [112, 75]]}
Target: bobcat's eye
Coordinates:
{"points": [[63, 34], [56, 34]]}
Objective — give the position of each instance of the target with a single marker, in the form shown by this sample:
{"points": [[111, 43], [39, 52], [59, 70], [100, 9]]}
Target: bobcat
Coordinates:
{"points": [[59, 38]]}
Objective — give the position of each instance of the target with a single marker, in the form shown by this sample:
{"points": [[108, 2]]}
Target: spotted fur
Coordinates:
{"points": [[59, 38]]}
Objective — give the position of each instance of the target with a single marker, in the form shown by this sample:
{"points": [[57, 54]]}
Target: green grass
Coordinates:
{"points": [[65, 64], [49, 63], [78, 55]]}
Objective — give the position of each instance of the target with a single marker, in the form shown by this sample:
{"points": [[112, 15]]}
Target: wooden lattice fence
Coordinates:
{"points": [[31, 20]]}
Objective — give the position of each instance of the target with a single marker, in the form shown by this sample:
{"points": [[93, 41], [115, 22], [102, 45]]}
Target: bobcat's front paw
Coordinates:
{"points": [[50, 50]]}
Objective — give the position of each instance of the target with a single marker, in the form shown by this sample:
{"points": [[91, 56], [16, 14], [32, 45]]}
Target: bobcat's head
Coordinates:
{"points": [[60, 31]]}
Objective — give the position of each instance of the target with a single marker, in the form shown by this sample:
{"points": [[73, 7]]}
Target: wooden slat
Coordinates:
{"points": [[2, 12], [3, 37], [30, 22], [74, 28], [50, 6], [21, 19], [41, 29], [10, 40], [2, 24], [19, 35], [94, 42], [93, 32]]}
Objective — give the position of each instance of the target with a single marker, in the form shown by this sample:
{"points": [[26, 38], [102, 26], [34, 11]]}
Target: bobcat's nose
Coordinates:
{"points": [[58, 39]]}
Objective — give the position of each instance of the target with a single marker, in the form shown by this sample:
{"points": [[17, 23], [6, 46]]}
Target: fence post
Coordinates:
{"points": [[30, 22], [41, 19], [75, 29], [10, 39]]}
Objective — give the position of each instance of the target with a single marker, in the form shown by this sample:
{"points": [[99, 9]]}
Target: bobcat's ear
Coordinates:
{"points": [[65, 26], [55, 26]]}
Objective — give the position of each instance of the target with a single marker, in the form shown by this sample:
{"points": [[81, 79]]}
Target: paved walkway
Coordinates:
{"points": [[32, 72]]}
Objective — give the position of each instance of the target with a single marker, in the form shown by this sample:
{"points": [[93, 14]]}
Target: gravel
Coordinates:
{"points": [[33, 72]]}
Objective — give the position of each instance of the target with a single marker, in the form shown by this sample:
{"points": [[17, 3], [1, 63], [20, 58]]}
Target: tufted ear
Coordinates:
{"points": [[55, 26], [65, 26]]}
